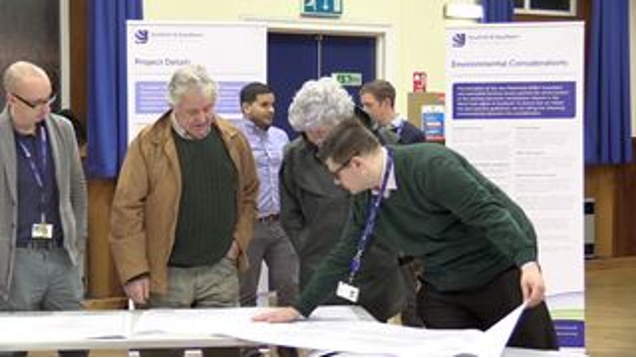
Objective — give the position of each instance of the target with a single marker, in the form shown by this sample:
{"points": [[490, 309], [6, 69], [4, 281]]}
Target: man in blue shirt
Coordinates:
{"points": [[270, 243]]}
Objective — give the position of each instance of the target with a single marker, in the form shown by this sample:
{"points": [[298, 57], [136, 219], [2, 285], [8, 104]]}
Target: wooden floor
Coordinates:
{"points": [[610, 309]]}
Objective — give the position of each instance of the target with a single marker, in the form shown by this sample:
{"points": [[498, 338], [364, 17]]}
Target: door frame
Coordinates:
{"points": [[386, 50]]}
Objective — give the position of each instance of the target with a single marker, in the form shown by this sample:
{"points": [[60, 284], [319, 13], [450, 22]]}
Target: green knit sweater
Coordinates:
{"points": [[465, 230], [207, 210]]}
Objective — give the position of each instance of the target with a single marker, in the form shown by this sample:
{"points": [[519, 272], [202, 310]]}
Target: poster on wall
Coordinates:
{"points": [[234, 54], [515, 110]]}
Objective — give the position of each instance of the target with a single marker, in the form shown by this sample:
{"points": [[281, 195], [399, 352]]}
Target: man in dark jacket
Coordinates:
{"points": [[378, 99], [314, 209]]}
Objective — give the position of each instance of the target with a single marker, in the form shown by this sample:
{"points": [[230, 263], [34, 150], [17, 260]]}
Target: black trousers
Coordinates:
{"points": [[482, 307]]}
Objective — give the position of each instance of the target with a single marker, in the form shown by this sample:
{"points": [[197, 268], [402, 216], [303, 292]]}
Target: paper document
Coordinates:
{"points": [[56, 327], [332, 328], [361, 337], [380, 339], [217, 320], [193, 321], [498, 335]]}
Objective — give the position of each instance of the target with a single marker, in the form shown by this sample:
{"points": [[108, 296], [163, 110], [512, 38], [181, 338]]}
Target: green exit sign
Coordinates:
{"points": [[348, 79], [322, 8]]}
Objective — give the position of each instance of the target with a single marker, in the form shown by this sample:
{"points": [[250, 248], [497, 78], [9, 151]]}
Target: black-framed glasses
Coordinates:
{"points": [[37, 103], [336, 173]]}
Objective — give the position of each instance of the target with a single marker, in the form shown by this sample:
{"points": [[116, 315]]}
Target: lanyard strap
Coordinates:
{"points": [[374, 210], [39, 175], [38, 172]]}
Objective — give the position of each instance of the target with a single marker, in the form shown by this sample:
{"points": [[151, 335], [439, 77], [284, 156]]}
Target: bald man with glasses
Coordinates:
{"points": [[43, 201]]}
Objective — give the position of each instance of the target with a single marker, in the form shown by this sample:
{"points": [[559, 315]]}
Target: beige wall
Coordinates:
{"points": [[416, 27]]}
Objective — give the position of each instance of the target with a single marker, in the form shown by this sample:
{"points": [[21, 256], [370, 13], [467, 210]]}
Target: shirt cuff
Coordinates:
{"points": [[529, 263]]}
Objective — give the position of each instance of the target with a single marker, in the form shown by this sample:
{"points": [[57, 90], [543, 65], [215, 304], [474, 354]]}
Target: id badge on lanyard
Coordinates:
{"points": [[41, 230], [347, 290]]}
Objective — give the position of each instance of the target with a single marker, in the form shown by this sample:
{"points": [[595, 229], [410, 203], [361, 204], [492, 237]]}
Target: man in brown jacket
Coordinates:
{"points": [[185, 203]]}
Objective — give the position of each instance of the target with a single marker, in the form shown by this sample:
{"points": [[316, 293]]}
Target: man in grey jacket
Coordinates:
{"points": [[43, 199], [314, 209]]}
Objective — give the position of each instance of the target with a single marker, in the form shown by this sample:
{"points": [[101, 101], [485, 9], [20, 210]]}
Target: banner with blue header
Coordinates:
{"points": [[233, 53], [515, 110]]}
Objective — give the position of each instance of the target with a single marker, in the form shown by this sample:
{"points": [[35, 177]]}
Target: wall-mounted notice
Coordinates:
{"points": [[433, 122], [515, 110], [234, 54]]}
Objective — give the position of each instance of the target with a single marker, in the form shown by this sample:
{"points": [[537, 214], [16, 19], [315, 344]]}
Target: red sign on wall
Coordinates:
{"points": [[419, 81]]}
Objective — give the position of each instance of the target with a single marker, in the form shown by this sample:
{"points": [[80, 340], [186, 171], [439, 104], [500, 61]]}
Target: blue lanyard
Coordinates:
{"points": [[39, 176], [38, 173], [374, 210]]}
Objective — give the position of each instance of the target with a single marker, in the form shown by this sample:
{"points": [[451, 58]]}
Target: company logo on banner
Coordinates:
{"points": [[141, 36], [459, 40]]}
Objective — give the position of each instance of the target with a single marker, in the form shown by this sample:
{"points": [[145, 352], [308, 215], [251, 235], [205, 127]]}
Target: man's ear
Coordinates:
{"points": [[327, 163], [245, 107], [10, 98], [357, 161]]}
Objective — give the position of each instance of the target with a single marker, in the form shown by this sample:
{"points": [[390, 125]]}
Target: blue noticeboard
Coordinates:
{"points": [[322, 8]]}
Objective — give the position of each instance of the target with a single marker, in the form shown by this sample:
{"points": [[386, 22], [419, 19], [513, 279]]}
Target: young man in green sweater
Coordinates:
{"points": [[477, 246]]}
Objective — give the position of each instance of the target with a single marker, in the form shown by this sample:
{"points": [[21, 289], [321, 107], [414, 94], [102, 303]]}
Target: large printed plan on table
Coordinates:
{"points": [[138, 328], [331, 328], [23, 327], [376, 338]]}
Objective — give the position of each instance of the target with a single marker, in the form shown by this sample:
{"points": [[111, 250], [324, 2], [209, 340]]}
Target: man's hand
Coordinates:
{"points": [[138, 290], [234, 251], [532, 285], [278, 315]]}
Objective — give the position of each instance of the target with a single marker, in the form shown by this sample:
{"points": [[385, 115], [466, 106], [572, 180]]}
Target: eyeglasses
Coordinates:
{"points": [[38, 102], [336, 173]]}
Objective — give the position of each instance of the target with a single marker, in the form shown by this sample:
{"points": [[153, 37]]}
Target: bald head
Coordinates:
{"points": [[29, 96], [19, 72]]}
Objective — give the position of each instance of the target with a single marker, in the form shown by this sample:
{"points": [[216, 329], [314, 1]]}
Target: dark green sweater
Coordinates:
{"points": [[207, 209], [465, 230], [314, 212]]}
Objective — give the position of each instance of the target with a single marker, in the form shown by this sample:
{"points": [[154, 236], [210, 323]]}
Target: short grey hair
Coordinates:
{"points": [[191, 78], [321, 103]]}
